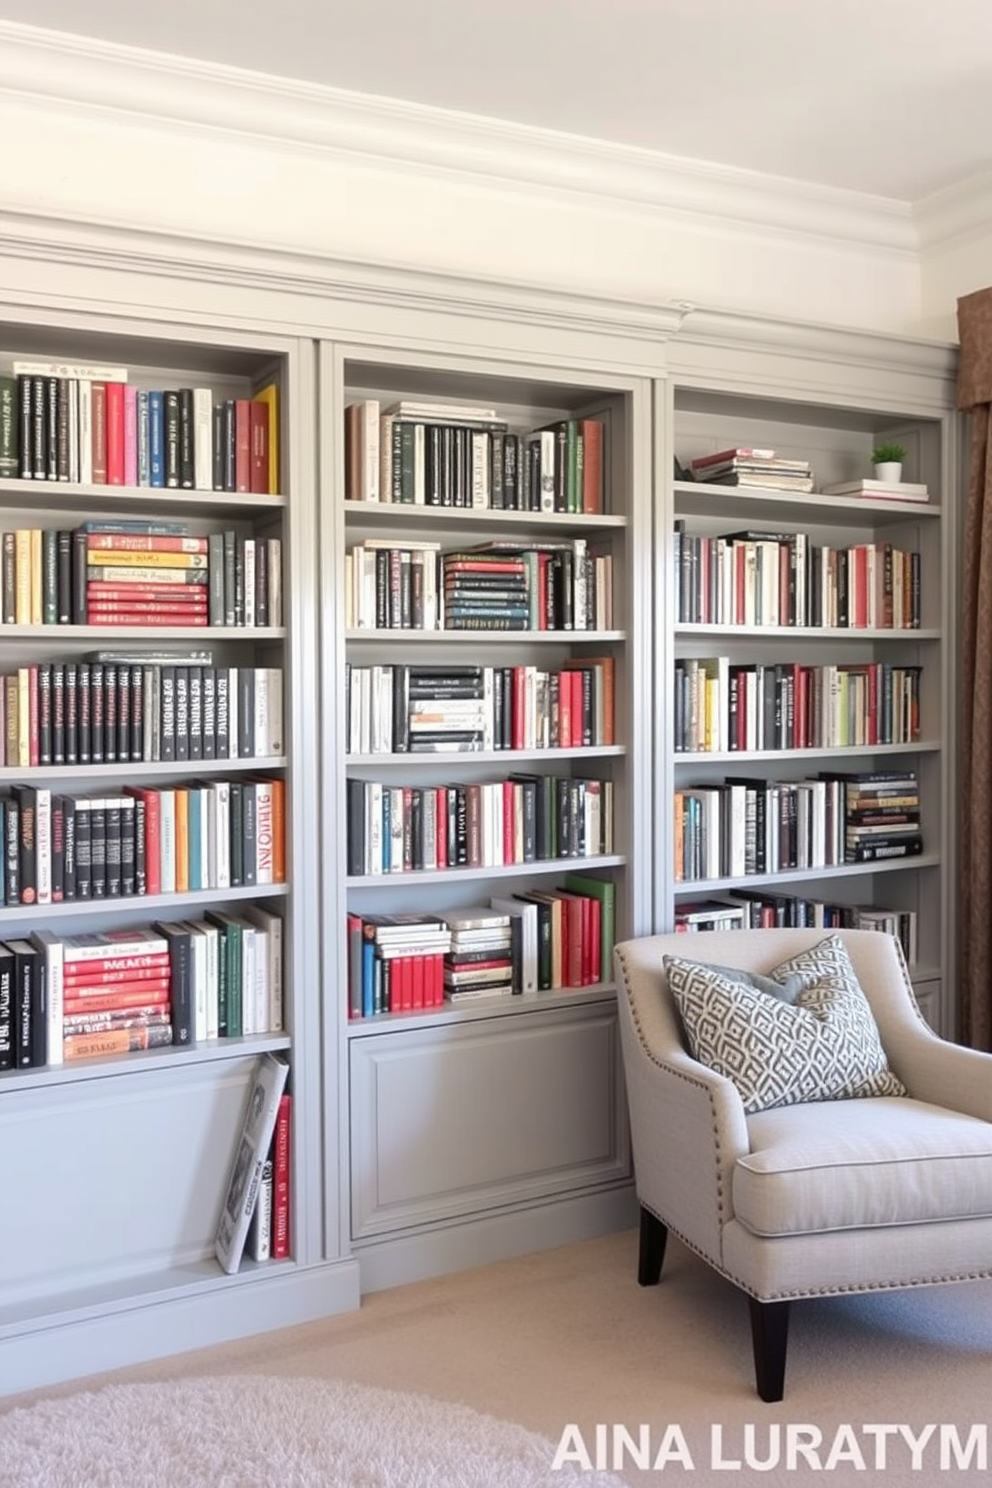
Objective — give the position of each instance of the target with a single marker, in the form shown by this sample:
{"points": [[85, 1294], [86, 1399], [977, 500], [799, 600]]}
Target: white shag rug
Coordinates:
{"points": [[258, 1432]]}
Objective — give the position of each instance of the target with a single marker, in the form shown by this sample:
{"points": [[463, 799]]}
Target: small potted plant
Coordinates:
{"points": [[887, 460]]}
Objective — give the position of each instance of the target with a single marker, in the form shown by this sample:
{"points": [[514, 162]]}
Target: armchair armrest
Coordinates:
{"points": [[687, 1122], [945, 1074]]}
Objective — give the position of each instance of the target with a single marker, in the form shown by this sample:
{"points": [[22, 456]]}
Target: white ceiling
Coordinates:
{"points": [[890, 97]]}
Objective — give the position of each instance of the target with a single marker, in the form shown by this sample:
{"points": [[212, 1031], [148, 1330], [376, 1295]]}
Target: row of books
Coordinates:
{"points": [[419, 453], [756, 909], [522, 819], [440, 709], [213, 834], [744, 826], [147, 573], [107, 710], [518, 944], [70, 997], [759, 577], [725, 706], [89, 424], [499, 585]]}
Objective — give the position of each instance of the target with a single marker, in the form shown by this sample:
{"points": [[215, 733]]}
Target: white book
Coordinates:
{"points": [[481, 491], [203, 438], [547, 440], [386, 421], [264, 832], [53, 950], [233, 721], [260, 1231], [74, 429], [525, 941], [43, 843], [70, 369], [419, 465], [433, 413], [199, 975], [275, 580], [211, 938], [373, 826], [84, 395], [250, 1154], [167, 840], [250, 1020], [271, 923], [369, 445]]}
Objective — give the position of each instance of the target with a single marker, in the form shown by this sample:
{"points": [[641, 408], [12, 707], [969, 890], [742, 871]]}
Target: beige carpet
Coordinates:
{"points": [[567, 1337]]}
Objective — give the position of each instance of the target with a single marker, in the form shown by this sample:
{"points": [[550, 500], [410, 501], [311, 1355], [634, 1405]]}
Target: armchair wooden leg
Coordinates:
{"points": [[651, 1252], [770, 1337]]}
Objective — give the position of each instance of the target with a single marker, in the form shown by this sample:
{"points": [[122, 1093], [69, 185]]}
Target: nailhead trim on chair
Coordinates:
{"points": [[679, 1075]]}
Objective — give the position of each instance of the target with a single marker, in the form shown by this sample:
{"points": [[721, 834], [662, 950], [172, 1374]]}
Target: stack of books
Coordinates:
{"points": [[882, 490], [479, 962], [395, 963], [155, 577], [757, 468]]}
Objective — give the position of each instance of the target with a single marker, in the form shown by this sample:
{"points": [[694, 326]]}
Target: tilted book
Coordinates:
{"points": [[249, 1159]]}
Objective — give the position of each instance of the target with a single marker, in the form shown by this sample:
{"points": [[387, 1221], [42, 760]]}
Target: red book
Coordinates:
{"points": [[136, 617], [280, 1179], [739, 452], [151, 988], [258, 419], [108, 1002], [518, 684], [98, 415], [509, 797], [96, 974], [144, 542], [441, 826], [592, 465], [242, 445], [180, 594], [419, 967], [115, 433]]}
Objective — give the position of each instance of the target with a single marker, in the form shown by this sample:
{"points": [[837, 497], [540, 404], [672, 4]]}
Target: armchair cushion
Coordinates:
{"points": [[824, 1046], [835, 1166]]}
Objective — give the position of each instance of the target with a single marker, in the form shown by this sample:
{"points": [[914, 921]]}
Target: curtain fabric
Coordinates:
{"points": [[975, 906]]}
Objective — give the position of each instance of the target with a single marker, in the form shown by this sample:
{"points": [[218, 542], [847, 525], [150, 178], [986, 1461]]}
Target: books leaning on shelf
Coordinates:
{"points": [[883, 490], [760, 469], [480, 959], [144, 840], [523, 819], [144, 573], [764, 909], [452, 455], [88, 424], [395, 963], [251, 1153], [753, 825], [121, 707], [777, 578], [454, 708]]}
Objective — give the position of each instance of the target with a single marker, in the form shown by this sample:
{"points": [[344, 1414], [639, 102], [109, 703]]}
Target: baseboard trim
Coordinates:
{"points": [[494, 1237], [76, 1344]]}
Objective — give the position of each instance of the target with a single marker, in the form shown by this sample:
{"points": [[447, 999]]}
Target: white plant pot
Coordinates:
{"points": [[890, 471]]}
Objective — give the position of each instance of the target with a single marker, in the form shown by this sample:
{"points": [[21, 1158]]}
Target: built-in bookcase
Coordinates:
{"points": [[115, 1168], [544, 1063], [837, 440]]}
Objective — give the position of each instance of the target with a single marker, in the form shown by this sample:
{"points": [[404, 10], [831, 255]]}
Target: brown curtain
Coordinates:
{"points": [[975, 920]]}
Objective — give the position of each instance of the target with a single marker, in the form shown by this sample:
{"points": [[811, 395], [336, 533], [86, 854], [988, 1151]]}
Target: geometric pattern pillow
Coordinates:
{"points": [[823, 1046]]}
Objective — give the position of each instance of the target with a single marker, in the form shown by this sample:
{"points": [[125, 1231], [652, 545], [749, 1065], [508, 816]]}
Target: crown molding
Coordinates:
{"points": [[326, 278], [87, 77], [956, 214]]}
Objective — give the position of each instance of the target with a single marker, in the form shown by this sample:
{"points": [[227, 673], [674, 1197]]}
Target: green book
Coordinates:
{"points": [[8, 427], [605, 890]]}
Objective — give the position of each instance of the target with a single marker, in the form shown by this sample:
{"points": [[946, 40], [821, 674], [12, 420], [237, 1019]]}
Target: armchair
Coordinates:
{"points": [[810, 1199]]}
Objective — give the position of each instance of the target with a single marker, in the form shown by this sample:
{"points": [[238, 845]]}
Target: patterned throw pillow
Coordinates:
{"points": [[824, 1046]]}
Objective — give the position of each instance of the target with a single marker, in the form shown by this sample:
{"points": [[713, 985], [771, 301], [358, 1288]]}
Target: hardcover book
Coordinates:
{"points": [[250, 1156]]}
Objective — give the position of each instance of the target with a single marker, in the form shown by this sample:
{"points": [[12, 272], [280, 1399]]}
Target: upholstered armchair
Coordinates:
{"points": [[816, 1197]]}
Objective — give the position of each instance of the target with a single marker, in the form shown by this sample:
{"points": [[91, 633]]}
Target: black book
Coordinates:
{"points": [[84, 713], [249, 831], [59, 702], [113, 883], [30, 1031], [167, 731], [52, 429], [109, 691], [137, 692], [140, 846], [237, 834], [63, 577], [181, 992], [228, 444], [356, 828], [12, 851], [45, 714], [7, 1008], [83, 845], [124, 683], [69, 835], [218, 452], [25, 424], [58, 848], [97, 707], [246, 712], [98, 847], [170, 430], [222, 719], [27, 846], [195, 711], [181, 675], [208, 712], [49, 576], [187, 468]]}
